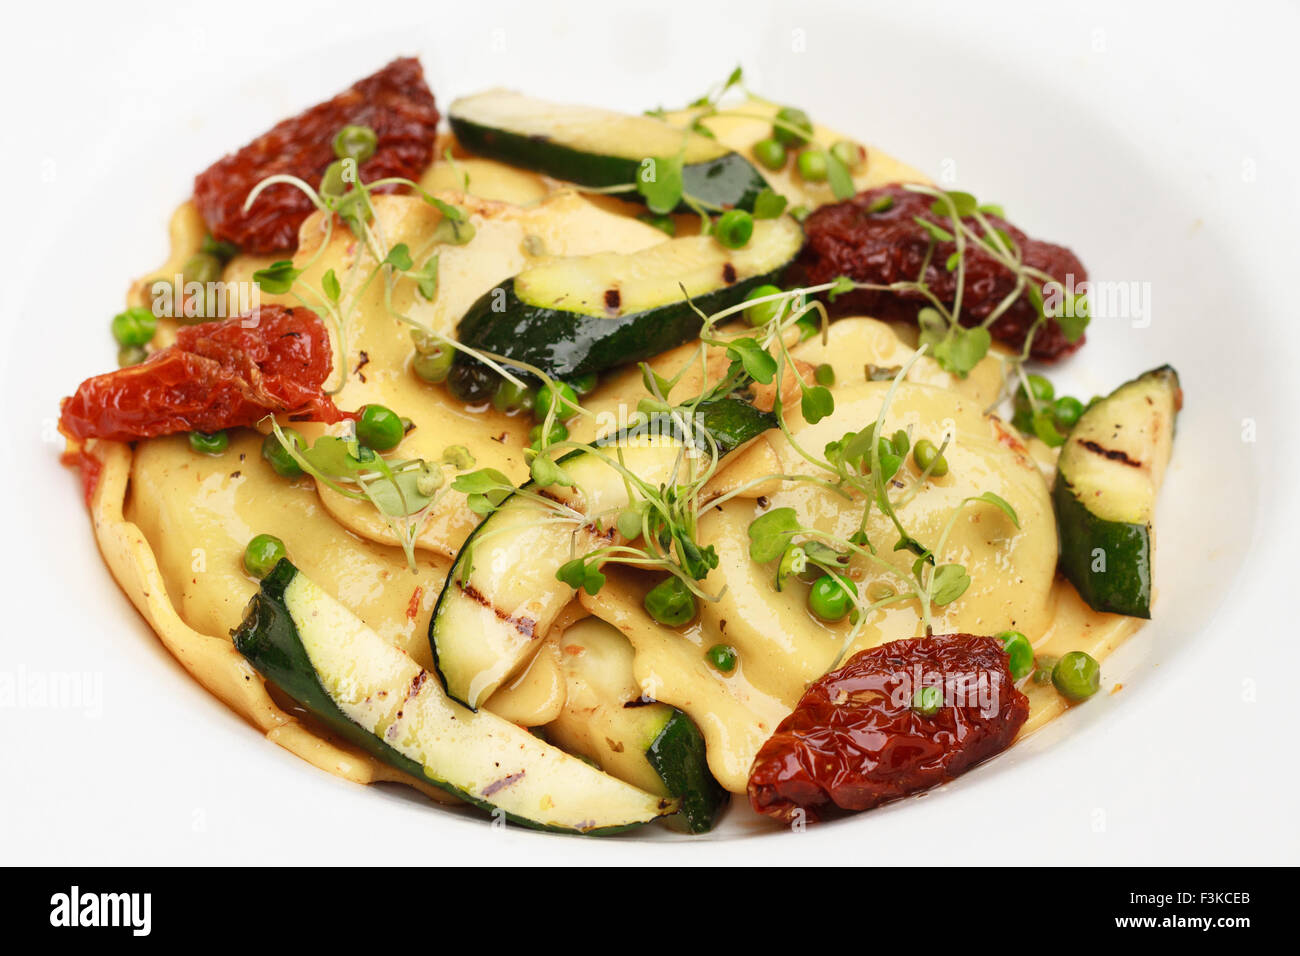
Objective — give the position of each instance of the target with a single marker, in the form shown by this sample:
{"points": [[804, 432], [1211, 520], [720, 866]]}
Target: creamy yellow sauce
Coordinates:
{"points": [[173, 524]]}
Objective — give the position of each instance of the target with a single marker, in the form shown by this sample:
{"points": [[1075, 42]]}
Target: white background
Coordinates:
{"points": [[1160, 143]]}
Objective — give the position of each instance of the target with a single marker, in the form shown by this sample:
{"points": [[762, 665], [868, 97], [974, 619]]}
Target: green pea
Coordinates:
{"points": [[770, 153], [1044, 427], [926, 455], [584, 385], [824, 375], [670, 602], [1023, 419], [559, 394], [511, 398], [135, 326], [733, 228], [458, 457], [851, 154], [278, 457], [1041, 389], [829, 600], [380, 428], [433, 357], [471, 382], [355, 142], [429, 480], [722, 658], [812, 165], [1020, 651], [763, 312], [558, 433], [1066, 410], [209, 443], [223, 249], [927, 701], [202, 267], [262, 554], [130, 355], [792, 116], [1043, 667], [1077, 676]]}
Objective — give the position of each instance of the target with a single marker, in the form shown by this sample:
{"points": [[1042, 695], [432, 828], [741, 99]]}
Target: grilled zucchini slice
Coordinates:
{"points": [[1107, 477], [600, 148], [371, 693], [571, 316]]}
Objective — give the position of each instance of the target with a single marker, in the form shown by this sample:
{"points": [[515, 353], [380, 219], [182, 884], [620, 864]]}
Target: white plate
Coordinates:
{"points": [[1162, 150]]}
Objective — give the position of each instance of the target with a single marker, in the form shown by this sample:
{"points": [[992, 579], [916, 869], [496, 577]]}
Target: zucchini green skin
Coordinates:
{"points": [[677, 755], [732, 423], [569, 344], [268, 639], [730, 181], [1125, 586], [1129, 432]]}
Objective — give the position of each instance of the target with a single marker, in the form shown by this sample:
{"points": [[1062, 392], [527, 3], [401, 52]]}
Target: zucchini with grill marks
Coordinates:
{"points": [[1107, 477], [571, 316], [323, 656], [600, 148]]}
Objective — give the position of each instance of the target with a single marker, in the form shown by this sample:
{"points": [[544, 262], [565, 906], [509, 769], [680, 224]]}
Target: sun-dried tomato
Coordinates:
{"points": [[847, 238], [91, 471], [395, 103], [217, 375], [855, 741]]}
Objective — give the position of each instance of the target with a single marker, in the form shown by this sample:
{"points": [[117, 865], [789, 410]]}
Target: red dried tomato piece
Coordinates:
{"points": [[855, 740], [395, 103], [217, 375], [846, 238]]}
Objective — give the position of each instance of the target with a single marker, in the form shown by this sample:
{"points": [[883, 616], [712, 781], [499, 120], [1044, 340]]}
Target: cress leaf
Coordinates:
{"points": [[770, 533], [756, 360], [399, 495], [481, 482], [277, 278], [839, 286], [1000, 503], [816, 403], [573, 573], [821, 553], [839, 177], [936, 231], [427, 282], [547, 473], [659, 181], [965, 205], [593, 580], [399, 257], [330, 283], [769, 204], [950, 582]]}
